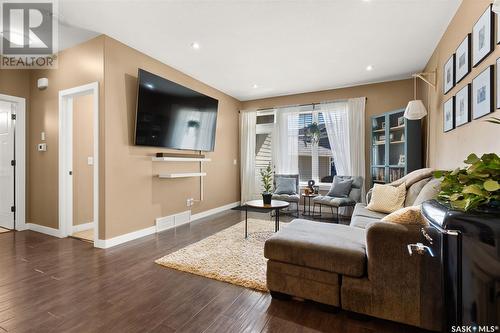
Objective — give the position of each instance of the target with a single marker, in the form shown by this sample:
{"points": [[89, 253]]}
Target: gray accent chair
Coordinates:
{"points": [[338, 202], [291, 198]]}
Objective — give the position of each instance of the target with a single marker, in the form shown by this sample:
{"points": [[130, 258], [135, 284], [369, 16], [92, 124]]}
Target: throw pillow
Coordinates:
{"points": [[407, 215], [286, 186], [340, 188], [429, 191], [387, 198]]}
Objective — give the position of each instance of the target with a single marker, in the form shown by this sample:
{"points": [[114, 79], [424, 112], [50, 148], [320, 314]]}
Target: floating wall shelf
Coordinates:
{"points": [[182, 175], [180, 159]]}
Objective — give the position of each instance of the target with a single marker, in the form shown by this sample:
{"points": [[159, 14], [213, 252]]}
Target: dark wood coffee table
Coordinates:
{"points": [[275, 205]]}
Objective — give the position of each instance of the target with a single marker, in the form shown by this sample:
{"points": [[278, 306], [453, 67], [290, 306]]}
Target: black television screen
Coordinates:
{"points": [[172, 116]]}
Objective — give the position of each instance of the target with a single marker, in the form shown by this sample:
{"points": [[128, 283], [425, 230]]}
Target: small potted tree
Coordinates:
{"points": [[266, 175]]}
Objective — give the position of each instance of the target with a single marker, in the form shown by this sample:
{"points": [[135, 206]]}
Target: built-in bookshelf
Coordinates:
{"points": [[396, 146]]}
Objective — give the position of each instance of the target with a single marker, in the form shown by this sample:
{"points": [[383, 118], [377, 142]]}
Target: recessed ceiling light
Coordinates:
{"points": [[195, 45], [369, 68], [255, 86]]}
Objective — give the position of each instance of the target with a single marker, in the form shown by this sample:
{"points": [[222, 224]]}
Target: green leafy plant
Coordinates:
{"points": [[266, 175], [475, 186], [312, 133]]}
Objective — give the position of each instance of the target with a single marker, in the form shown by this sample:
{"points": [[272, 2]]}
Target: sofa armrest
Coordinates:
{"points": [[407, 286], [369, 196], [387, 252]]}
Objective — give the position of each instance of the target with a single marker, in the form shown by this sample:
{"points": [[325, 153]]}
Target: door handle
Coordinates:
{"points": [[71, 173], [419, 249]]}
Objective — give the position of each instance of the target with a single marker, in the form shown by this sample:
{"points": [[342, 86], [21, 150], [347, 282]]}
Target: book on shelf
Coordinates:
{"points": [[395, 174]]}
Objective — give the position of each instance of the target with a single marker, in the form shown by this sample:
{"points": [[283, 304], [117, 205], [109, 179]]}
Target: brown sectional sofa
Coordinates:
{"points": [[363, 267]]}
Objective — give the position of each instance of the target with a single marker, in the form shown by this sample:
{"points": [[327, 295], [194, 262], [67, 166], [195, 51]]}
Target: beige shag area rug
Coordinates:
{"points": [[227, 256]]}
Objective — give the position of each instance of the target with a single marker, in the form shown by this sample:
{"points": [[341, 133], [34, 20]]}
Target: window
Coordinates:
{"points": [[263, 144], [314, 152]]}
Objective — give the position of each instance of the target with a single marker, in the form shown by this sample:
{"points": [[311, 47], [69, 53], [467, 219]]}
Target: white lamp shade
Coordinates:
{"points": [[415, 110]]}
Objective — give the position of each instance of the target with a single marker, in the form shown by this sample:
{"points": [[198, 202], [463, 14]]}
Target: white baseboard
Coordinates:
{"points": [[213, 211], [82, 227], [107, 243], [44, 230]]}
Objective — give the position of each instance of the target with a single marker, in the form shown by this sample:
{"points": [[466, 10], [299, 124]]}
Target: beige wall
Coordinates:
{"points": [[131, 198], [134, 197], [79, 65], [448, 150], [83, 148], [382, 97], [15, 82]]}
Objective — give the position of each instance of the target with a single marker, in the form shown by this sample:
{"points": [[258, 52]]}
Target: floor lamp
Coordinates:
{"points": [[416, 110]]}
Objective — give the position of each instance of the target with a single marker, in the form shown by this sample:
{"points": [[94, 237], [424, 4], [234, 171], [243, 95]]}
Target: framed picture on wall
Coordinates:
{"points": [[462, 59], [498, 84], [482, 95], [462, 106], [448, 115], [482, 37], [449, 74], [498, 28]]}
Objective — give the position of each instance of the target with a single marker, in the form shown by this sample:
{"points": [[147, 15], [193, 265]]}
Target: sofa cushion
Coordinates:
{"points": [[428, 192], [362, 222], [413, 177], [407, 215], [328, 247], [340, 188], [285, 186], [387, 198], [413, 191], [360, 209], [334, 202], [287, 197]]}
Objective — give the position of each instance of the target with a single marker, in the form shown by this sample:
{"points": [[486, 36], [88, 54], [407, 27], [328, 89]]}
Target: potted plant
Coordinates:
{"points": [[266, 175], [475, 187], [312, 134]]}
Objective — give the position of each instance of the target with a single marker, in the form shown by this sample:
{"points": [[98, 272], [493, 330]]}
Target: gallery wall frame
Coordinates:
{"points": [[482, 93], [463, 59], [449, 114], [463, 106], [483, 36]]}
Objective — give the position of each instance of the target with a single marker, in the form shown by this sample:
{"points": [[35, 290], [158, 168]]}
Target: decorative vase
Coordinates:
{"points": [[266, 198]]}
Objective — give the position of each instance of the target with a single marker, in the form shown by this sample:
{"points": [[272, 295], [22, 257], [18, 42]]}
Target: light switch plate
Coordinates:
{"points": [[90, 160]]}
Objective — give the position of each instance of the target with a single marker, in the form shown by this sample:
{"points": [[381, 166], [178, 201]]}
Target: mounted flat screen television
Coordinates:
{"points": [[172, 116]]}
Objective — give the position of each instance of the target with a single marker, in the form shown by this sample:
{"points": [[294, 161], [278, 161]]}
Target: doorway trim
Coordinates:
{"points": [[66, 153], [20, 157]]}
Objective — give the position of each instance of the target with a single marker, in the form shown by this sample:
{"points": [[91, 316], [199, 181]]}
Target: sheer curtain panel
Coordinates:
{"points": [[247, 157]]}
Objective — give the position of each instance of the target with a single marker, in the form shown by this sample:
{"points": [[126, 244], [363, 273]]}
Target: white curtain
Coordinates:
{"points": [[285, 143], [356, 121], [337, 128], [345, 126], [247, 155]]}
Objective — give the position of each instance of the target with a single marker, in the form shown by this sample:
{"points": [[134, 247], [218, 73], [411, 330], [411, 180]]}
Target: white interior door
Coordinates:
{"points": [[6, 168]]}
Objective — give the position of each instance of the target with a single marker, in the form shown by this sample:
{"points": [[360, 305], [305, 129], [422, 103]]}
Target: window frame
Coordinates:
{"points": [[268, 128]]}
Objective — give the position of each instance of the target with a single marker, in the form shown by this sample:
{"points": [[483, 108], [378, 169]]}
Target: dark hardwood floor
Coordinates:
{"points": [[65, 285]]}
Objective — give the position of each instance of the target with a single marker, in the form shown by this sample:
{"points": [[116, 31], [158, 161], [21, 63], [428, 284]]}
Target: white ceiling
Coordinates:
{"points": [[283, 46]]}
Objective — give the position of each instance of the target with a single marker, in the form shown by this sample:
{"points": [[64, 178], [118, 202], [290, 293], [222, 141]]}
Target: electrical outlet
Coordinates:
{"points": [[190, 202]]}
